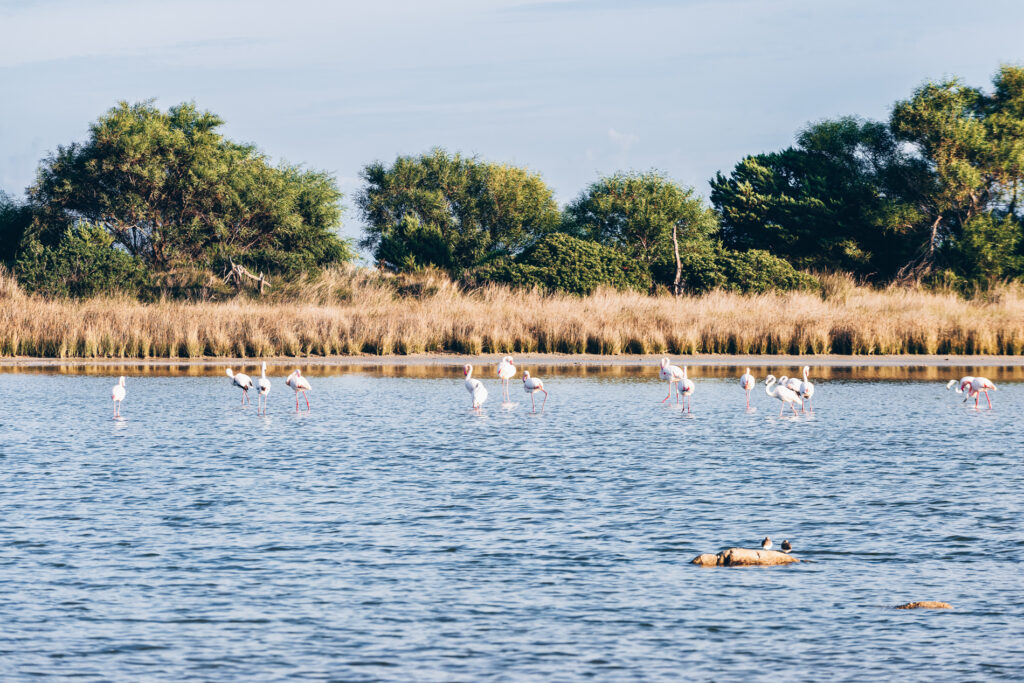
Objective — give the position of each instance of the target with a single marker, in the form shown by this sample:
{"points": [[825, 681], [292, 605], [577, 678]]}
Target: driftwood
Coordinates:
{"points": [[236, 272], [744, 557]]}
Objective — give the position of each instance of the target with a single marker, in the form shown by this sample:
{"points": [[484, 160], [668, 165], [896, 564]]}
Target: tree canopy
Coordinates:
{"points": [[451, 211], [169, 189]]}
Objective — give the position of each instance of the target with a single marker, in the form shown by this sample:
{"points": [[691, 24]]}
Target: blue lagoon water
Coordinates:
{"points": [[391, 534]]}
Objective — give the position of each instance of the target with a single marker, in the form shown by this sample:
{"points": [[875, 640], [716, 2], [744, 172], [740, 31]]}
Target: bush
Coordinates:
{"points": [[561, 263], [83, 264], [708, 265]]}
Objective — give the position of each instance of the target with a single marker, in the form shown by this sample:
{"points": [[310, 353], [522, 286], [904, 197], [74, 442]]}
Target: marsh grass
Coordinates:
{"points": [[357, 311]]}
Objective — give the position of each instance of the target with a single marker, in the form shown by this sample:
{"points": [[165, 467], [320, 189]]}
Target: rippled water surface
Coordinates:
{"points": [[392, 534]]}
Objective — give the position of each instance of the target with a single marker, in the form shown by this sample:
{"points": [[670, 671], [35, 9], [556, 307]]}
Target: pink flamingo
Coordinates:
{"points": [[747, 383], [671, 373], [532, 385], [978, 386], [686, 388], [299, 383], [475, 388], [243, 382], [506, 371], [117, 393], [783, 393]]}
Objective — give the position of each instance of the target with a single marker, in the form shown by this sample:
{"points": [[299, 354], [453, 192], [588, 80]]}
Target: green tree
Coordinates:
{"points": [[169, 188], [835, 200], [643, 215], [451, 211], [85, 262], [15, 218]]}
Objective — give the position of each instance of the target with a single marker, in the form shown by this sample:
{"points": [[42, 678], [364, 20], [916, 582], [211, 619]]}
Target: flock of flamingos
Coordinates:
{"points": [[789, 391]]}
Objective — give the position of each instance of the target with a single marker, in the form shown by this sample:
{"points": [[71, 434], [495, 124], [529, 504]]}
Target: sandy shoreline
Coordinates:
{"points": [[823, 361]]}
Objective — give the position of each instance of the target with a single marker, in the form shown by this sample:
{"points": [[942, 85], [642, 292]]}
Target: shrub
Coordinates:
{"points": [[708, 265], [83, 264], [562, 263]]}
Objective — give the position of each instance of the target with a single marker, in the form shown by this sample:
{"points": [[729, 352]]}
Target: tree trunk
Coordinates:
{"points": [[676, 284]]}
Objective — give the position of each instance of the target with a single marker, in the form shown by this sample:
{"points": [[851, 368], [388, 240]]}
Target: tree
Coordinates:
{"points": [[644, 215], [169, 189], [451, 211], [835, 200], [15, 219]]}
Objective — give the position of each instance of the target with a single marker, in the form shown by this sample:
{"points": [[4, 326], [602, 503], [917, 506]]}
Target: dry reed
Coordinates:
{"points": [[353, 311]]}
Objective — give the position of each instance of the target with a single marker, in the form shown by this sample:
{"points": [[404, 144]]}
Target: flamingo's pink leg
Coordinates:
{"points": [[533, 402], [307, 400], [545, 400], [296, 401], [988, 399]]}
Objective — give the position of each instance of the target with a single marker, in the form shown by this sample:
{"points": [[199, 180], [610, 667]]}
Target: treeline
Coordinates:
{"points": [[160, 202]]}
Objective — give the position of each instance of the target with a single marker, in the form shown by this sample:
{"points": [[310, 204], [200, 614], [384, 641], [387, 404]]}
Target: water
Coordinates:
{"points": [[390, 534]]}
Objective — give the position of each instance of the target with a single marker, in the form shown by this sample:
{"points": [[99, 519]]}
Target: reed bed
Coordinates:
{"points": [[353, 311]]}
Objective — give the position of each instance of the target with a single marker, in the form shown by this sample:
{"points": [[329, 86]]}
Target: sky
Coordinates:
{"points": [[572, 89]]}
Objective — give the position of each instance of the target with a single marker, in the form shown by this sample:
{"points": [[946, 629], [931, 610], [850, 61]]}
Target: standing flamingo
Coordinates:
{"points": [[806, 390], [532, 385], [299, 383], [264, 385], [978, 386], [243, 382], [117, 393], [475, 388], [672, 374], [506, 371], [747, 383], [783, 393], [686, 389]]}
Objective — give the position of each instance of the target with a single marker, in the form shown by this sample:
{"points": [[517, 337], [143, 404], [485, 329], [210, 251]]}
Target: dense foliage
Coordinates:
{"points": [[452, 212], [169, 189], [84, 262], [563, 263], [936, 188]]}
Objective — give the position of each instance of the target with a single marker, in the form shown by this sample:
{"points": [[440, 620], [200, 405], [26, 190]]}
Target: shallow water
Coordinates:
{"points": [[392, 534]]}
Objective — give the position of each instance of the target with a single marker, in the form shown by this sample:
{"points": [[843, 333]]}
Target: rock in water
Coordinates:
{"points": [[926, 604], [744, 557]]}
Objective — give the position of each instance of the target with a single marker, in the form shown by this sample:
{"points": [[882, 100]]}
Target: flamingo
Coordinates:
{"points": [[978, 386], [672, 374], [264, 385], [475, 388], [806, 390], [783, 393], [299, 383], [506, 371], [747, 383], [686, 388], [532, 385], [117, 394], [243, 382]]}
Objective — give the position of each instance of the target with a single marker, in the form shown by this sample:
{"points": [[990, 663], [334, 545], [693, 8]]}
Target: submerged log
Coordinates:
{"points": [[744, 557], [926, 604]]}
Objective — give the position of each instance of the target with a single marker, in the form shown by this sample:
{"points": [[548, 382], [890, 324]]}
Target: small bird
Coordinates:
{"points": [[506, 371], [786, 547], [299, 383], [532, 385], [117, 393], [264, 385], [243, 382], [766, 544], [475, 388], [747, 383], [686, 389]]}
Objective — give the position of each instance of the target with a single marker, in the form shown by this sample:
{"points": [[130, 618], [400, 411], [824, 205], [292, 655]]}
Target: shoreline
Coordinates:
{"points": [[542, 359]]}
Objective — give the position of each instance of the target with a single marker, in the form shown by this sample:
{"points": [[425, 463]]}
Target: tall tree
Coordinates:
{"points": [[835, 200], [169, 188], [644, 215], [451, 211]]}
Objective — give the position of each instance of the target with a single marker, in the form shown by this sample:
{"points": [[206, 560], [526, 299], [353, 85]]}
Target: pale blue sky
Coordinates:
{"points": [[574, 89]]}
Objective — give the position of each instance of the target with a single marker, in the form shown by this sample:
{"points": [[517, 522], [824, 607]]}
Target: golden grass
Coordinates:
{"points": [[353, 311]]}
